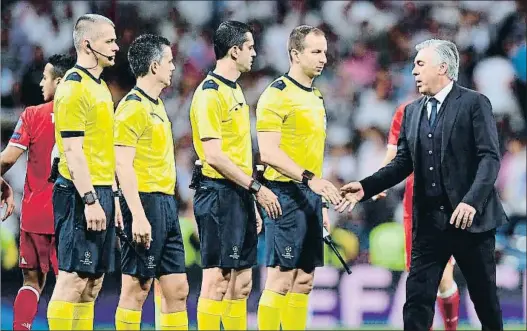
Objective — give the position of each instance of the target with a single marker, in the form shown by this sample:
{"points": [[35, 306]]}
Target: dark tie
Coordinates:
{"points": [[433, 112]]}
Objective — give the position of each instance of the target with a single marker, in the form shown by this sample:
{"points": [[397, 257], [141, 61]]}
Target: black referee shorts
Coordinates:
{"points": [[226, 221], [80, 250], [294, 240]]}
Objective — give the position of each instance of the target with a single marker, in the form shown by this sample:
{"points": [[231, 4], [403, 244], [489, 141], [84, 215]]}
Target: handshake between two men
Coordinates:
{"points": [[352, 193], [347, 197]]}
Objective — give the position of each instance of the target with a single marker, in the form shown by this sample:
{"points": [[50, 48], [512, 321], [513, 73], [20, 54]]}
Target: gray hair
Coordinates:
{"points": [[446, 53], [83, 26]]}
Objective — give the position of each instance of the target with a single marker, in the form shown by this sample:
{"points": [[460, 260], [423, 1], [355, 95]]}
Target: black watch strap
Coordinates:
{"points": [[90, 198], [118, 193], [307, 176], [255, 186]]}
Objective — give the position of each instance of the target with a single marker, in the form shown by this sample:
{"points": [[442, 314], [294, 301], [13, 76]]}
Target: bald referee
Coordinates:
{"points": [[83, 200]]}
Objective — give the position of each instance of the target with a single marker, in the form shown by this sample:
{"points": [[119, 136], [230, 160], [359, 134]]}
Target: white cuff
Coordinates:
{"points": [[448, 293], [18, 145], [32, 289]]}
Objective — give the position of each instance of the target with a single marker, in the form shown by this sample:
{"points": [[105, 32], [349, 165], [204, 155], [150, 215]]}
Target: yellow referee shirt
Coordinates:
{"points": [[83, 107], [142, 122], [298, 113], [219, 111]]}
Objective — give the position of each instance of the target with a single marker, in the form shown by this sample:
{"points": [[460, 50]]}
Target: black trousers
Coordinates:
{"points": [[432, 247]]}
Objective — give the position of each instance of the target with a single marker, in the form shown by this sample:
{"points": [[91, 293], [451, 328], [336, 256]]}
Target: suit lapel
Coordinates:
{"points": [[450, 117], [416, 124]]}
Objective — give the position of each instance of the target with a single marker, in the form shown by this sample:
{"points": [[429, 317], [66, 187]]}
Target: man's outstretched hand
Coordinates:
{"points": [[352, 193]]}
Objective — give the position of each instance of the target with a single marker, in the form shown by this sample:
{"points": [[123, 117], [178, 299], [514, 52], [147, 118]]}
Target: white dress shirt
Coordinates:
{"points": [[440, 97]]}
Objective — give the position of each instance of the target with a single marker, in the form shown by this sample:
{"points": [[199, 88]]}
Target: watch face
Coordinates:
{"points": [[255, 186], [89, 198]]}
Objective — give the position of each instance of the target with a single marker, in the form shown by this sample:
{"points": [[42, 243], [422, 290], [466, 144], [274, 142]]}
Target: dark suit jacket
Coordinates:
{"points": [[470, 158]]}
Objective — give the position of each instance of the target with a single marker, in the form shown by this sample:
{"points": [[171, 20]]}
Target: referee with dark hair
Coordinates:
{"points": [[144, 150], [224, 203]]}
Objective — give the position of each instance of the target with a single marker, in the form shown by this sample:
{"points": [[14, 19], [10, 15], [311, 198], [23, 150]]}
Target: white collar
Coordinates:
{"points": [[441, 95]]}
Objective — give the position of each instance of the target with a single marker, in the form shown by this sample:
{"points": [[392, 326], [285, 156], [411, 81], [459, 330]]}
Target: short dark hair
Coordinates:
{"points": [[61, 63], [298, 36], [227, 35], [144, 50]]}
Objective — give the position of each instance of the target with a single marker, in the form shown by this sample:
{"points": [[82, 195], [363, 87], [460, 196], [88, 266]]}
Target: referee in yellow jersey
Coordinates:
{"points": [[83, 200], [291, 125], [144, 151], [223, 203]]}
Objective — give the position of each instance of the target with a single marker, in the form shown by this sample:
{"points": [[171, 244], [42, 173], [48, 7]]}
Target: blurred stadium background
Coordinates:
{"points": [[371, 48]]}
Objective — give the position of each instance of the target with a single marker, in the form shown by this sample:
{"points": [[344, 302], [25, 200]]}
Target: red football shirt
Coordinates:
{"points": [[35, 132], [393, 137]]}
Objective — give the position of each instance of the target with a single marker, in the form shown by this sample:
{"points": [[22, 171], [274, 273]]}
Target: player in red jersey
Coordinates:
{"points": [[35, 133], [448, 295]]}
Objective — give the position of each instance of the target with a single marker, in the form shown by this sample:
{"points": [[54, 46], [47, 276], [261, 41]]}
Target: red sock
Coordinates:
{"points": [[449, 308], [25, 308]]}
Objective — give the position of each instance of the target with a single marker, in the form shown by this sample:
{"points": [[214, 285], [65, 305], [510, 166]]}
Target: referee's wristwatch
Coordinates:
{"points": [[307, 176], [118, 193], [90, 198], [255, 186]]}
